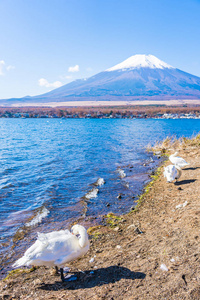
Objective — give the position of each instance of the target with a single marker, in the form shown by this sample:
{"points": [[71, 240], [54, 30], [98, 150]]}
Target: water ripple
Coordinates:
{"points": [[54, 165]]}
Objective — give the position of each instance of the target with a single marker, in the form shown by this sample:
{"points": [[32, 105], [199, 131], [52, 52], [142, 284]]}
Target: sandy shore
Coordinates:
{"points": [[129, 250], [110, 103]]}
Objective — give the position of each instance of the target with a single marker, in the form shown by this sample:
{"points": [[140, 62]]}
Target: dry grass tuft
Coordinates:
{"points": [[173, 144]]}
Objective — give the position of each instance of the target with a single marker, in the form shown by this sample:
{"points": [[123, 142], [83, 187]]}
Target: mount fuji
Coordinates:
{"points": [[140, 77]]}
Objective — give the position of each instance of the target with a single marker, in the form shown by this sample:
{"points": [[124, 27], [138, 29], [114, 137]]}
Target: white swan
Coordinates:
{"points": [[56, 248], [178, 161], [172, 172]]}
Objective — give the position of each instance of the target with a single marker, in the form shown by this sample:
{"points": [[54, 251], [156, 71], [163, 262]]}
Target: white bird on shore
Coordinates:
{"points": [[178, 161], [56, 248], [172, 173]]}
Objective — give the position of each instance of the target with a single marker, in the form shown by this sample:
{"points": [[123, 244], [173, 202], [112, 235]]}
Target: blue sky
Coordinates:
{"points": [[46, 43]]}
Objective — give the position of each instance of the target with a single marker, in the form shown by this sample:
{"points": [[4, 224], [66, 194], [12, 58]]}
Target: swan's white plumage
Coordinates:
{"points": [[56, 248], [178, 161], [172, 172]]}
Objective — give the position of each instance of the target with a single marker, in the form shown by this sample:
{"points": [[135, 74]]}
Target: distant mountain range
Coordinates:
{"points": [[140, 77]]}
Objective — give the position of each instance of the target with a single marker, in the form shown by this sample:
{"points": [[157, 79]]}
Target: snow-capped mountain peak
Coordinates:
{"points": [[141, 61], [140, 77]]}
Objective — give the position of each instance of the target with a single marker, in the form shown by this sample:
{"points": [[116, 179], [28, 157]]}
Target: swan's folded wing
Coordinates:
{"points": [[181, 160], [54, 234], [35, 250], [67, 257], [30, 254], [65, 249]]}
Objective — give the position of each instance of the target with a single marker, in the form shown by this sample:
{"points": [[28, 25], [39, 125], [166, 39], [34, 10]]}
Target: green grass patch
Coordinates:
{"points": [[147, 188], [112, 220], [19, 271]]}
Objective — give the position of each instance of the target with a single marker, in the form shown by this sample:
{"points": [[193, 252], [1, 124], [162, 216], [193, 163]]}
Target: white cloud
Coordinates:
{"points": [[44, 82], [2, 64], [4, 68], [73, 69], [10, 68]]}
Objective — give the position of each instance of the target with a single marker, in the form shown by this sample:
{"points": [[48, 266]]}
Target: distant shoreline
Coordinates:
{"points": [[159, 111]]}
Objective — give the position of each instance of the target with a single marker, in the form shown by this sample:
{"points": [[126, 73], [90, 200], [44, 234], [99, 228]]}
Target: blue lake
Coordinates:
{"points": [[49, 166]]}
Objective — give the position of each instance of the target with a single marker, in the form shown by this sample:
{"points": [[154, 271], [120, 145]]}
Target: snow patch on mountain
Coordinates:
{"points": [[141, 61]]}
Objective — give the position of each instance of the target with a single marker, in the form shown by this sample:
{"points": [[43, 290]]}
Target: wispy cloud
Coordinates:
{"points": [[45, 83], [73, 69], [2, 65], [8, 68], [69, 77], [4, 68]]}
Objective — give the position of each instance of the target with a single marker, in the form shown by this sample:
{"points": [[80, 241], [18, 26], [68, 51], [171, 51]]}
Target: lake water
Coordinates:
{"points": [[49, 168]]}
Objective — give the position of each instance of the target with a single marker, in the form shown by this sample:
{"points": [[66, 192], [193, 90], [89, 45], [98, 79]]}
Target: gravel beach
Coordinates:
{"points": [[150, 253]]}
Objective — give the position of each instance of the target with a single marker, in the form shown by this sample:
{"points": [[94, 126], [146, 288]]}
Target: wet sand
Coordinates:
{"points": [[128, 251]]}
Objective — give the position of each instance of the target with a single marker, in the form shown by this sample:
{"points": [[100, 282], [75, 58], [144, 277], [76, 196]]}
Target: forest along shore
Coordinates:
{"points": [[150, 253], [125, 111]]}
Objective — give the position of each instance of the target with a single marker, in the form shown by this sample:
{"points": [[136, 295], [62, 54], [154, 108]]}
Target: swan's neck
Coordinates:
{"points": [[83, 239], [175, 154]]}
